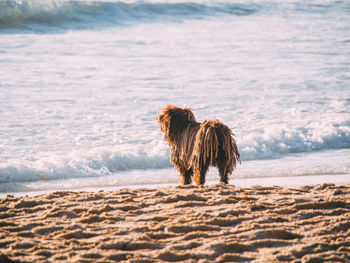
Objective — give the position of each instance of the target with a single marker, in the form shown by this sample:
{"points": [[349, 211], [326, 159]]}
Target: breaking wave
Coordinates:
{"points": [[268, 145], [79, 167], [46, 15], [274, 143]]}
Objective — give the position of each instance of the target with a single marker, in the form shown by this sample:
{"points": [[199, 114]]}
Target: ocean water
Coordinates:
{"points": [[82, 82]]}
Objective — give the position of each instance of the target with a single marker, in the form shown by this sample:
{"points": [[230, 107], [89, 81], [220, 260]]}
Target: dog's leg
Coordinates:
{"points": [[186, 176], [199, 175], [223, 175]]}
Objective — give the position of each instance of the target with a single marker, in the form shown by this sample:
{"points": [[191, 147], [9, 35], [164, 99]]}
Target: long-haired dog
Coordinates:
{"points": [[195, 146]]}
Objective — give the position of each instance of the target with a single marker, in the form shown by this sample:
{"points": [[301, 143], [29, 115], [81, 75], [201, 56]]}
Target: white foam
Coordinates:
{"points": [[330, 163], [270, 144], [78, 165], [276, 141]]}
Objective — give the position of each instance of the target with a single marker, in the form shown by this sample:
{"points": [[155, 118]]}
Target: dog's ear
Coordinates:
{"points": [[164, 120], [167, 111], [160, 117]]}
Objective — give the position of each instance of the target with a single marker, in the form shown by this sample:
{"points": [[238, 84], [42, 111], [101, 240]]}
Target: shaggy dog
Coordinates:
{"points": [[195, 146]]}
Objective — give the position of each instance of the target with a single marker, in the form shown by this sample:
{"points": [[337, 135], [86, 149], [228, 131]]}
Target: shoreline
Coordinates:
{"points": [[212, 223], [286, 181]]}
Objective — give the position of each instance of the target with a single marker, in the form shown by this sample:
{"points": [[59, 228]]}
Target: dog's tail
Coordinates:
{"points": [[215, 145]]}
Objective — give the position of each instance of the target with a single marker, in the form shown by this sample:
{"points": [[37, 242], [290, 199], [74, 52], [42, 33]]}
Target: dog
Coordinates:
{"points": [[195, 146]]}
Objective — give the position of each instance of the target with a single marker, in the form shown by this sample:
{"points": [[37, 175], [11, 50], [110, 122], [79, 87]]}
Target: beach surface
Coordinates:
{"points": [[220, 223]]}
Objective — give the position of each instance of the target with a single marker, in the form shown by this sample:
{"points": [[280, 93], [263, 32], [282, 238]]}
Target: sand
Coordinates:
{"points": [[216, 223]]}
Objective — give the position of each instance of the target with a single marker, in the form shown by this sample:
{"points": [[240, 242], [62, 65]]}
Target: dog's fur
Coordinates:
{"points": [[195, 146]]}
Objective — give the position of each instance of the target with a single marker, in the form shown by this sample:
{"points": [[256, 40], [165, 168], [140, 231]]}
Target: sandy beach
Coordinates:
{"points": [[220, 223]]}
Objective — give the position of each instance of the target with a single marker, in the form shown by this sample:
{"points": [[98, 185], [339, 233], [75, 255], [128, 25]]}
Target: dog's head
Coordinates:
{"points": [[173, 119]]}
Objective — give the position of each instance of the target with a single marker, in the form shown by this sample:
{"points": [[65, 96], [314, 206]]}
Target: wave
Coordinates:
{"points": [[292, 170], [80, 167], [266, 144], [274, 143], [46, 15]]}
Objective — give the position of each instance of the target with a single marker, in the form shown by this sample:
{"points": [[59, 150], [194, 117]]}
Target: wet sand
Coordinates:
{"points": [[221, 223]]}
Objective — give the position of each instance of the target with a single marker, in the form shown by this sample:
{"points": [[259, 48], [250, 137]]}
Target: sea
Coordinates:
{"points": [[82, 82]]}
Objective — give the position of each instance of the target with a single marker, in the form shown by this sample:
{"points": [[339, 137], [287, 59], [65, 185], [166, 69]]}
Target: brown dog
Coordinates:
{"points": [[195, 146]]}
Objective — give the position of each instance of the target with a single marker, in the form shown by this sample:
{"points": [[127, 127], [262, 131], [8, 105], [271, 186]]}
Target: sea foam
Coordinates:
{"points": [[272, 143]]}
